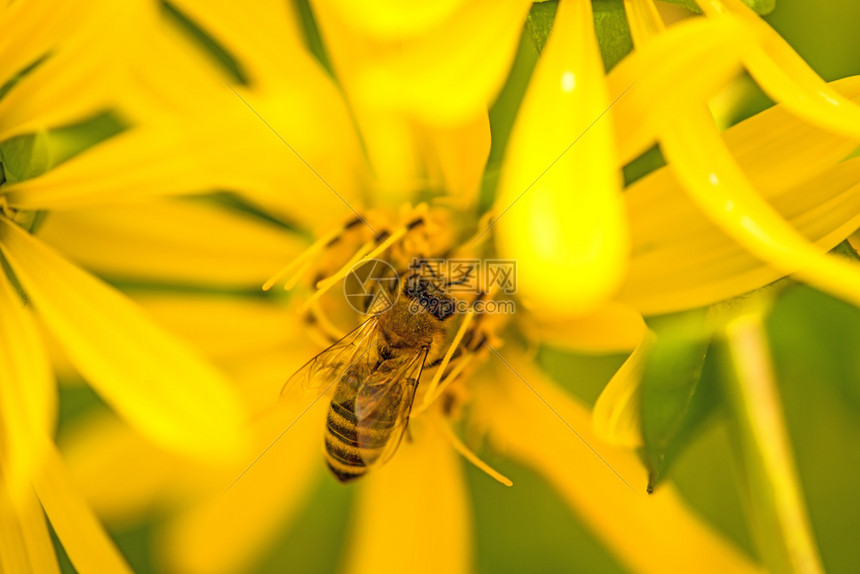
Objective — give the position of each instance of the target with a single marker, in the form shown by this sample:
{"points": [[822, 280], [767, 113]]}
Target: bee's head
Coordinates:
{"points": [[429, 296]]}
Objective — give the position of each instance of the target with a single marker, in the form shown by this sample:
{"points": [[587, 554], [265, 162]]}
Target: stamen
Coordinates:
{"points": [[447, 379], [470, 314], [359, 258], [325, 284], [305, 256], [467, 453]]}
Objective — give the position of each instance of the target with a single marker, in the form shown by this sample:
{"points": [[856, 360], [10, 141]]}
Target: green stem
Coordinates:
{"points": [[787, 543]]}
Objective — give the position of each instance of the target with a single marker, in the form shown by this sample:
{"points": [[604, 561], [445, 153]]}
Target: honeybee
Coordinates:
{"points": [[375, 371]]}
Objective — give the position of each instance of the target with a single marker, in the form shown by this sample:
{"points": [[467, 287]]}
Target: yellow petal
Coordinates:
{"points": [[559, 210], [85, 75], [682, 260], [392, 20], [777, 149], [786, 78], [118, 472], [147, 375], [139, 163], [193, 83], [227, 531], [461, 152], [25, 545], [176, 241], [29, 402], [297, 140], [446, 75], [122, 474], [424, 487], [31, 29], [226, 328], [611, 329], [265, 37], [673, 58], [56, 93], [644, 21], [617, 415], [657, 533], [716, 184], [89, 547]]}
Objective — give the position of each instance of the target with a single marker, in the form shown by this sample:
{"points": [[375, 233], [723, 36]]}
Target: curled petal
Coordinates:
{"points": [[697, 264], [786, 78], [682, 260], [717, 185], [617, 412], [672, 59]]}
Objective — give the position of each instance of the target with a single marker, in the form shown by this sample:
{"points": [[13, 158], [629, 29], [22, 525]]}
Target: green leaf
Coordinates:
{"points": [[539, 23], [613, 32], [215, 50], [610, 25], [761, 7], [26, 156], [30, 155], [675, 402]]}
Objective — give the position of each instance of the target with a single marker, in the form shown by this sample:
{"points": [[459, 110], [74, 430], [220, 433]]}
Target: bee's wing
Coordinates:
{"points": [[357, 346], [386, 395]]}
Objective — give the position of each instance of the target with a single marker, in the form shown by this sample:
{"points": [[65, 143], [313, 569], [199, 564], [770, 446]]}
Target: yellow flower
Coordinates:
{"points": [[587, 263], [225, 530]]}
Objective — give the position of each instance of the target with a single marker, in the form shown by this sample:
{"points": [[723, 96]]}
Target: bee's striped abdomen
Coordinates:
{"points": [[346, 455]]}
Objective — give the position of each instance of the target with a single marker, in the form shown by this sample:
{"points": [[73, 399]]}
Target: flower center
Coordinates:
{"points": [[414, 273]]}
